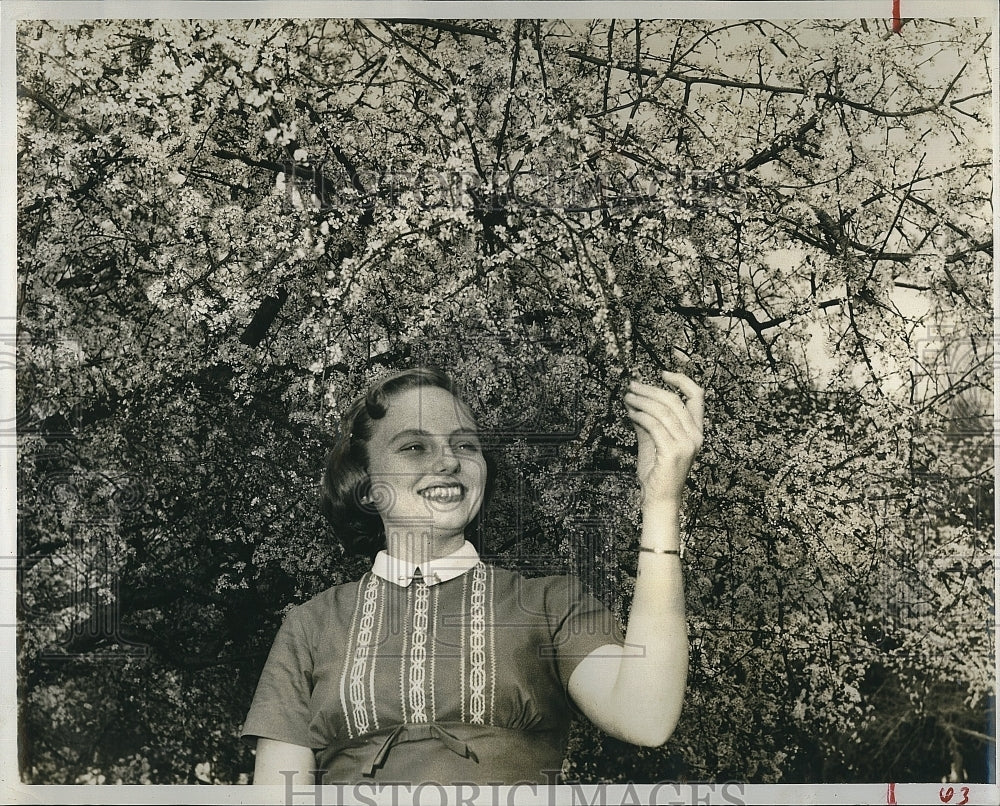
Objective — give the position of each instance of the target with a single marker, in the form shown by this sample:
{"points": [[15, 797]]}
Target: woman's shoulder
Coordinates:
{"points": [[540, 576], [335, 598], [543, 584]]}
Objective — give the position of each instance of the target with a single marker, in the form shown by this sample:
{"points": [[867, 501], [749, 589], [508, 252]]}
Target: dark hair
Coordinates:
{"points": [[346, 483]]}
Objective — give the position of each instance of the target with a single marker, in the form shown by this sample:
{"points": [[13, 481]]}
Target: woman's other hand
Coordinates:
{"points": [[283, 763]]}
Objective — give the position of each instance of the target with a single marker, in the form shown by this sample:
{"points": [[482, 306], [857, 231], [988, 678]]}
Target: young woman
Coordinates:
{"points": [[436, 667]]}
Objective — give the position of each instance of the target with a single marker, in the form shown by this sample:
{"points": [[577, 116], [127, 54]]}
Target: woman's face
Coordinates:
{"points": [[426, 464]]}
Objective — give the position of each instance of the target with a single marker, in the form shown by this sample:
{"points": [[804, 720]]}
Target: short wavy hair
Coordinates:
{"points": [[346, 486]]}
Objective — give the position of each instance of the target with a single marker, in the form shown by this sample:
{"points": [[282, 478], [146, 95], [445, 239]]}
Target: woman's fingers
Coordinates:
{"points": [[668, 435], [670, 413], [668, 405], [668, 441], [693, 392], [654, 427]]}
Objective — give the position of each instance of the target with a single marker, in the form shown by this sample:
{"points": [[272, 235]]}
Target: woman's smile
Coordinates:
{"points": [[444, 493]]}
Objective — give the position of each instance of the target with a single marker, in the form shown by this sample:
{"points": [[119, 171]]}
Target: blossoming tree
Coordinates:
{"points": [[227, 228]]}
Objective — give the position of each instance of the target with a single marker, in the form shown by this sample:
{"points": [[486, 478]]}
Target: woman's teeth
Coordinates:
{"points": [[443, 494]]}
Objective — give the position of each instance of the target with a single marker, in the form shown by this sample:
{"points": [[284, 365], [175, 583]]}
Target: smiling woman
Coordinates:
{"points": [[436, 667]]}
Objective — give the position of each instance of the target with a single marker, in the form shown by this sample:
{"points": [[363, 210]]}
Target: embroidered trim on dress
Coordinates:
{"points": [[477, 647], [434, 650], [361, 655], [405, 653], [493, 648], [352, 687], [418, 655], [374, 660], [463, 651]]}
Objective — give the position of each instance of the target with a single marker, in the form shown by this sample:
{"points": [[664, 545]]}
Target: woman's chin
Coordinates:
{"points": [[451, 525]]}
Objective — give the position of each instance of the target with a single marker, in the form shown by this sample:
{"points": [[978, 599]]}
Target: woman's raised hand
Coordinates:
{"points": [[669, 428]]}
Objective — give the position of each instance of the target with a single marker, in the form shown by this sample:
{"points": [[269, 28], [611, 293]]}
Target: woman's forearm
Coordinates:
{"points": [[652, 674]]}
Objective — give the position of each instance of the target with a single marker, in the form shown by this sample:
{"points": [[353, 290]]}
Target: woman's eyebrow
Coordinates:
{"points": [[410, 432], [420, 432]]}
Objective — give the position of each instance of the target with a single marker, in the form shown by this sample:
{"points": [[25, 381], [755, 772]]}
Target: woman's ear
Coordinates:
{"points": [[363, 491]]}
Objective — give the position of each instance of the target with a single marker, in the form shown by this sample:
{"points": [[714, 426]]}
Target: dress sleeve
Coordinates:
{"points": [[281, 704], [579, 624]]}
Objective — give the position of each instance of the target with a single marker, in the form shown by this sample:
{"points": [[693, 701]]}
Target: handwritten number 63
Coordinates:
{"points": [[947, 794]]}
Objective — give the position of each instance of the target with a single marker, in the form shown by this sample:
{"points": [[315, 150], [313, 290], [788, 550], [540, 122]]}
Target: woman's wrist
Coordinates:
{"points": [[661, 526], [661, 508]]}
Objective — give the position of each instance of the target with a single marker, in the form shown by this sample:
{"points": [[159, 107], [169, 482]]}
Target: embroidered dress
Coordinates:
{"points": [[460, 681]]}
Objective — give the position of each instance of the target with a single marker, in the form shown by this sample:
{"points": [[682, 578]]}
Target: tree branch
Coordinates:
{"points": [[779, 145], [263, 318], [627, 68], [765, 87], [60, 114], [450, 27], [749, 317], [827, 96]]}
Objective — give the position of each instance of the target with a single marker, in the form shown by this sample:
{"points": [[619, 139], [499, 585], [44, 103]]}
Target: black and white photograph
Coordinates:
{"points": [[450, 403]]}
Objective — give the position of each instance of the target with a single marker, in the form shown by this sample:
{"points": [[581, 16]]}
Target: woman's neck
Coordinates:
{"points": [[419, 547]]}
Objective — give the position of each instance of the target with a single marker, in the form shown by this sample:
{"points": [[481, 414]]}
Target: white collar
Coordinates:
{"points": [[392, 569]]}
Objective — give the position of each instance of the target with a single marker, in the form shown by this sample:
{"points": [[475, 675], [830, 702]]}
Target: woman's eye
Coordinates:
{"points": [[413, 446], [469, 446]]}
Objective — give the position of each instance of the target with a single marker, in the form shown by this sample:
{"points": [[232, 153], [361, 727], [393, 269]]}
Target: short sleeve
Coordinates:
{"points": [[281, 704], [579, 623]]}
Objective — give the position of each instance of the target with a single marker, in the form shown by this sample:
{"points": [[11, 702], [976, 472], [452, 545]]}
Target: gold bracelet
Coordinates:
{"points": [[659, 551]]}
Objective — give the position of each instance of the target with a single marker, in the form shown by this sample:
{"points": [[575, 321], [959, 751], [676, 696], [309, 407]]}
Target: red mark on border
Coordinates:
{"points": [[897, 22], [946, 795], [890, 795]]}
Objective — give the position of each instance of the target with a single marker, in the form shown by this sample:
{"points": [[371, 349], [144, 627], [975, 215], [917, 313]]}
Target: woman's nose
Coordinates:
{"points": [[446, 460]]}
